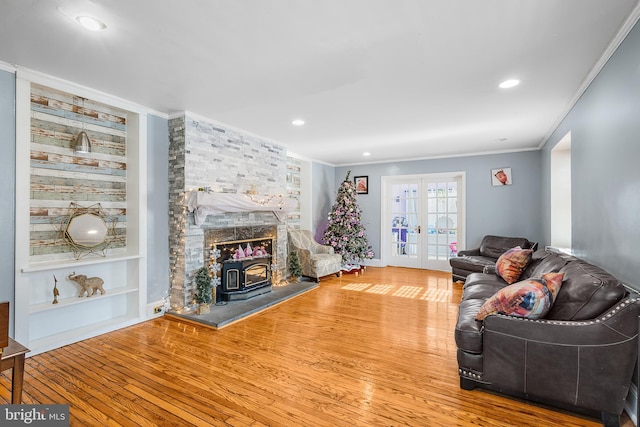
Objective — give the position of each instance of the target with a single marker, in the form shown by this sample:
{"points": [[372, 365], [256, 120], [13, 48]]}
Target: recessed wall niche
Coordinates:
{"points": [[50, 178], [59, 176]]}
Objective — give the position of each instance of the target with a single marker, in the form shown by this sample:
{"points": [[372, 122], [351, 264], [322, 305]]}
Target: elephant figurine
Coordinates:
{"points": [[90, 285]]}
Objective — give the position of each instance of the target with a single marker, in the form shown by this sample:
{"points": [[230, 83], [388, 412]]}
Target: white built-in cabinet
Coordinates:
{"points": [[39, 324]]}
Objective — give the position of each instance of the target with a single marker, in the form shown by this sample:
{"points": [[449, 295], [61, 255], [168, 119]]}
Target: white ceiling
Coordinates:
{"points": [[402, 79]]}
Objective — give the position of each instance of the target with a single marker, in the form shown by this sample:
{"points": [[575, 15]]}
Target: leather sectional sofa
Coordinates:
{"points": [[580, 356], [475, 260]]}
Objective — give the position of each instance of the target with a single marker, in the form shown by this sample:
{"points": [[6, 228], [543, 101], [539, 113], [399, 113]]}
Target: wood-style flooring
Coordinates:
{"points": [[375, 349]]}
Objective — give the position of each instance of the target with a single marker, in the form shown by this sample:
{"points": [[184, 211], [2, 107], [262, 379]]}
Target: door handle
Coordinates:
{"points": [[418, 229]]}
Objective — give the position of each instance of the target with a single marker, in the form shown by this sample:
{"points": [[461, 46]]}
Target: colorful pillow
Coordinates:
{"points": [[511, 263], [531, 298]]}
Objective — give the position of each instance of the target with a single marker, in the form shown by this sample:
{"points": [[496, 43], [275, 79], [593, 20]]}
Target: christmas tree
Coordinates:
{"points": [[295, 271], [203, 286], [345, 232]]}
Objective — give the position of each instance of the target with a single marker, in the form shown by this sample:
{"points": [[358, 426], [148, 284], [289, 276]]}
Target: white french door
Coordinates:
{"points": [[423, 220], [402, 224]]}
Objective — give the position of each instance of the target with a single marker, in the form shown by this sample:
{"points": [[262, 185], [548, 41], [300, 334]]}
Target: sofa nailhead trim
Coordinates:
{"points": [[470, 374], [573, 323]]}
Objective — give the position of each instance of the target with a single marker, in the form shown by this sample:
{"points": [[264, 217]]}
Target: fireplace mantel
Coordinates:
{"points": [[206, 203]]}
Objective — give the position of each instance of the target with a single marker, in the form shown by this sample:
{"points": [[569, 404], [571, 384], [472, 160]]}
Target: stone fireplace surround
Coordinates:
{"points": [[204, 154], [228, 227]]}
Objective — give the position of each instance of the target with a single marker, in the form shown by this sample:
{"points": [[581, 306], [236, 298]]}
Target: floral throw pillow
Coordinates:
{"points": [[511, 263], [531, 298]]}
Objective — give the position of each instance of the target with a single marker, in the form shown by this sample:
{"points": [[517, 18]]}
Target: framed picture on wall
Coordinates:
{"points": [[500, 177], [362, 184]]}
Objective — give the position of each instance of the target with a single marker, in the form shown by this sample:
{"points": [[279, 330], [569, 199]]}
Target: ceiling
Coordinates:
{"points": [[401, 79]]}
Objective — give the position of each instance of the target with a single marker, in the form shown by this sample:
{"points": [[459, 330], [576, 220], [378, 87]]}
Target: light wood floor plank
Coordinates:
{"points": [[375, 349]]}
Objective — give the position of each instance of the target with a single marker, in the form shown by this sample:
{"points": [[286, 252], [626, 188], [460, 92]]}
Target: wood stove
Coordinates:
{"points": [[246, 268]]}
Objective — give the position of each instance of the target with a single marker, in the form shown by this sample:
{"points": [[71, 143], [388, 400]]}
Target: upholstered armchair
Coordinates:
{"points": [[316, 260]]}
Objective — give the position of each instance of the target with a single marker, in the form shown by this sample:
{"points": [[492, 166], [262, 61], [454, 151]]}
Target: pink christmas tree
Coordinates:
{"points": [[345, 232]]}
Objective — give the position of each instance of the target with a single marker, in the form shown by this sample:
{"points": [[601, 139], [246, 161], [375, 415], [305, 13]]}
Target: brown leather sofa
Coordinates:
{"points": [[475, 260], [580, 357]]}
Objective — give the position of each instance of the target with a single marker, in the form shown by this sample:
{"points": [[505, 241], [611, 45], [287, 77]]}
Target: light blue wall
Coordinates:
{"points": [[8, 188], [605, 169], [509, 210], [157, 208], [323, 190], [605, 126]]}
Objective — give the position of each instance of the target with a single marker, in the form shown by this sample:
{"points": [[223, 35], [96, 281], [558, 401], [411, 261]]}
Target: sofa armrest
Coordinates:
{"points": [[318, 248], [303, 254], [324, 249], [469, 252], [489, 269], [590, 363]]}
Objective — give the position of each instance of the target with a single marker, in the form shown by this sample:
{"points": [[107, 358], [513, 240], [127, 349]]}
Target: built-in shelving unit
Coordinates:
{"points": [[40, 324], [64, 302], [49, 265]]}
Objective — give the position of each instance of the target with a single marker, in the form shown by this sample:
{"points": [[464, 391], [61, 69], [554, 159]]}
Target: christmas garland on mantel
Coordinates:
{"points": [[208, 203]]}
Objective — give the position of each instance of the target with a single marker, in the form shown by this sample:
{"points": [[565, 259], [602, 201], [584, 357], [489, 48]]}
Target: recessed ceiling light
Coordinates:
{"points": [[297, 122], [509, 83], [366, 153], [90, 23]]}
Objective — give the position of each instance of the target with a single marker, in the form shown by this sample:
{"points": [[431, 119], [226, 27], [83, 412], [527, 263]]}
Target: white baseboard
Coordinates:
{"points": [[373, 262], [151, 309]]}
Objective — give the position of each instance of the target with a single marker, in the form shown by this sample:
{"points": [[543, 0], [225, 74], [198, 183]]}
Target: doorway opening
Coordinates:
{"points": [[561, 194]]}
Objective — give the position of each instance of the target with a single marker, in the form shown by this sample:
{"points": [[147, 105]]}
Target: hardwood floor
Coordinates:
{"points": [[371, 350]]}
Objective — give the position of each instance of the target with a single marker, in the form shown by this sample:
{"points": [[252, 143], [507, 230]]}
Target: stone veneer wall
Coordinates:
{"points": [[294, 189], [226, 160]]}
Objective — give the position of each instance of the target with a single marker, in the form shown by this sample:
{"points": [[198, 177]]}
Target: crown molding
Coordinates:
{"points": [[83, 91], [5, 66], [620, 36]]}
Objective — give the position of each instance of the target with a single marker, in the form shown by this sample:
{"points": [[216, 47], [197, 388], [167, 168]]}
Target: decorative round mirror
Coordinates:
{"points": [[86, 230]]}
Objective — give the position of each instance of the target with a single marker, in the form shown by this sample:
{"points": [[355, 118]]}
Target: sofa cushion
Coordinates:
{"points": [[586, 292], [475, 279], [510, 264], [544, 262], [530, 298], [494, 246], [482, 290]]}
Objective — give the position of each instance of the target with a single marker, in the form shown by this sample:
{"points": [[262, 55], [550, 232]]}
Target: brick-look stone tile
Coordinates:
{"points": [[203, 154]]}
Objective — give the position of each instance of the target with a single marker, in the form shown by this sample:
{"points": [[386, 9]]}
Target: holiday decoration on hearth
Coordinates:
{"points": [[345, 232], [239, 253], [204, 290], [295, 270], [248, 252], [259, 251]]}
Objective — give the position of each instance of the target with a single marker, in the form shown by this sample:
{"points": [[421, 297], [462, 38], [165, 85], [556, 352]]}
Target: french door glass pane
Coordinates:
{"points": [[404, 214], [442, 218]]}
